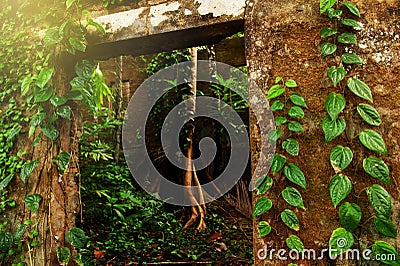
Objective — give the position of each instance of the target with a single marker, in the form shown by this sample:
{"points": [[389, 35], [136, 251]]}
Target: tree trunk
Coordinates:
{"points": [[59, 192], [282, 39]]}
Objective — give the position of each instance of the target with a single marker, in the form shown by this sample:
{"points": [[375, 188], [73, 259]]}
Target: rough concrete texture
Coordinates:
{"points": [[173, 15], [282, 39]]}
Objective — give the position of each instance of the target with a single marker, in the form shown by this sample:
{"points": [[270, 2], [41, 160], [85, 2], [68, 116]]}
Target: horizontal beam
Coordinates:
{"points": [[163, 27]]}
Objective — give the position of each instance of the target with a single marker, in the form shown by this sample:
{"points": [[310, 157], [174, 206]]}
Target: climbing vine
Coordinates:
{"points": [[286, 137], [342, 34]]}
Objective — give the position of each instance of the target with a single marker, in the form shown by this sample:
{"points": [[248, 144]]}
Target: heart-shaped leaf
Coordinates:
{"points": [[341, 240], [275, 91], [359, 88], [44, 76], [278, 161], [27, 169], [291, 83], [351, 23], [280, 120], [298, 100], [339, 188], [41, 95], [347, 38], [77, 238], [64, 112], [277, 106], [291, 146], [63, 255], [379, 199], [328, 48], [32, 202], [352, 8], [274, 135], [50, 131], [324, 5], [264, 229], [373, 141], [340, 158], [293, 197], [350, 216], [296, 112], [352, 58], [263, 184], [62, 161], [369, 114], [290, 219], [262, 206], [335, 104], [336, 74], [295, 175], [294, 243], [333, 128], [385, 226], [387, 253], [377, 168], [326, 32], [334, 13], [58, 100], [295, 126]]}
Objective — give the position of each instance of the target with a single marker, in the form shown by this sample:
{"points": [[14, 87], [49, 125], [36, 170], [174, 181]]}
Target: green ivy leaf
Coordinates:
{"points": [[291, 83], [6, 240], [326, 32], [77, 238], [369, 114], [377, 168], [379, 199], [27, 169], [298, 100], [263, 184], [44, 77], [26, 85], [291, 146], [64, 112], [277, 106], [275, 91], [35, 121], [295, 126], [339, 188], [77, 44], [264, 229], [278, 161], [262, 206], [336, 74], [63, 255], [295, 175], [62, 161], [280, 120], [293, 197], [290, 219], [4, 183], [335, 104], [41, 95], [58, 100], [324, 5], [333, 13], [350, 216], [385, 226], [352, 58], [274, 135], [333, 128], [296, 112], [359, 88], [294, 243], [352, 8], [50, 131], [37, 140], [278, 79], [341, 240], [347, 38], [74, 95], [328, 48], [340, 158], [351, 23], [52, 36], [373, 141], [386, 253], [32, 202]]}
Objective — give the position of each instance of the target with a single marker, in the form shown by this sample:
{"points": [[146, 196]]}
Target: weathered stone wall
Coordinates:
{"points": [[282, 39]]}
